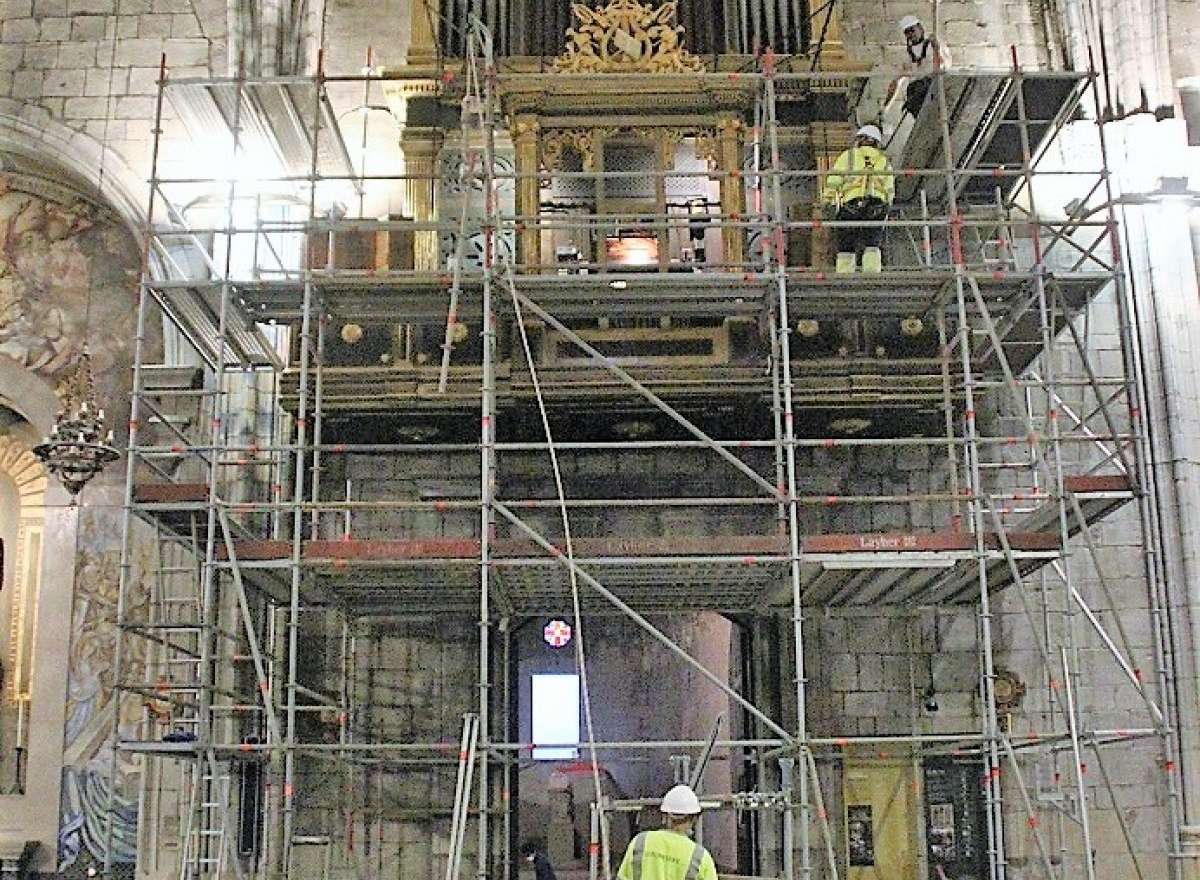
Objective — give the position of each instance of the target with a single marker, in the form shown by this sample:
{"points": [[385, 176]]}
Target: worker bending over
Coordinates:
{"points": [[860, 188], [669, 853]]}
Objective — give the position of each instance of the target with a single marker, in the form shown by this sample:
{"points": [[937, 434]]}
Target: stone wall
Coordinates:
{"points": [[977, 34], [56, 57], [822, 473], [413, 680]]}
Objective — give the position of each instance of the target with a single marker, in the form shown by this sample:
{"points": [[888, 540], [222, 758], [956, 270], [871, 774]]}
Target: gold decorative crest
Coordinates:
{"points": [[626, 37]]}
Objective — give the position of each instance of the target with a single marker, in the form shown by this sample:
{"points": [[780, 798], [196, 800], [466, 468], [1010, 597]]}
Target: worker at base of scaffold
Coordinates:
{"points": [[859, 189], [534, 852], [670, 853], [907, 93]]}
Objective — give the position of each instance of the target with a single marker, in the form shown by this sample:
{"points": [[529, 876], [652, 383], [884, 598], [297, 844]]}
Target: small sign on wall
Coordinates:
{"points": [[955, 819], [860, 835]]}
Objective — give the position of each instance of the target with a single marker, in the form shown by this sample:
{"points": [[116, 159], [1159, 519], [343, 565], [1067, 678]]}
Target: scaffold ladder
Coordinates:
{"points": [[204, 839], [173, 627]]}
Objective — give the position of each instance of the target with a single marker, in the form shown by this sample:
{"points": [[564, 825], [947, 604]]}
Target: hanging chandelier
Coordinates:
{"points": [[78, 447]]}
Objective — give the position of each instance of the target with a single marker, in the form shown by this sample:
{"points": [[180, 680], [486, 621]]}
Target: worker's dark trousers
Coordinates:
{"points": [[857, 238], [914, 97]]}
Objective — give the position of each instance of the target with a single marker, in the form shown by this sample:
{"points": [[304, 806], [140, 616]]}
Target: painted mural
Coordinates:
{"points": [[68, 279], [88, 757]]}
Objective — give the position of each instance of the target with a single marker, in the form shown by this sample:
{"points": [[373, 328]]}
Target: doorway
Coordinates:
{"points": [[880, 819]]}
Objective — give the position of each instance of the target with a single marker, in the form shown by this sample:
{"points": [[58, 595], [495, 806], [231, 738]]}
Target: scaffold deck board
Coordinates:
{"points": [[819, 381], [981, 110], [1098, 497], [714, 572], [292, 118], [420, 296], [196, 308]]}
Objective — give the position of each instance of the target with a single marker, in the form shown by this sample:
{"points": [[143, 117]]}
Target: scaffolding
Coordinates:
{"points": [[255, 550]]}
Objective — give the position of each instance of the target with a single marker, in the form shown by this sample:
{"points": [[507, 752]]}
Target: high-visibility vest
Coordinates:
{"points": [[666, 855], [851, 177]]}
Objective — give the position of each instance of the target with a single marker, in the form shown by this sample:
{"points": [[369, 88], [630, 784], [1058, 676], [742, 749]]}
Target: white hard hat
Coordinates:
{"points": [[872, 132], [681, 801], [909, 21]]}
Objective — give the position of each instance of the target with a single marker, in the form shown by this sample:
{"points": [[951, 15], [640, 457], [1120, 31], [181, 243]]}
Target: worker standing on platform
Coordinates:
{"points": [[925, 55], [860, 188], [908, 92], [669, 853]]}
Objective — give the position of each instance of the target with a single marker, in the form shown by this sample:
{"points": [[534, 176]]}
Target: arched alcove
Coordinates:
{"points": [[22, 540]]}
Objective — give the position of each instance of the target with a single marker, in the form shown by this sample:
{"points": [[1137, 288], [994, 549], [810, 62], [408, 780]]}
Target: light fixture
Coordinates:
{"points": [[929, 699], [78, 447]]}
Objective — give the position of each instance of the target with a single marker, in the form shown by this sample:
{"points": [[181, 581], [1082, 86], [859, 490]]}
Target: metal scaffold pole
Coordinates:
{"points": [[207, 782], [394, 568], [292, 633], [775, 242], [480, 49], [990, 725]]}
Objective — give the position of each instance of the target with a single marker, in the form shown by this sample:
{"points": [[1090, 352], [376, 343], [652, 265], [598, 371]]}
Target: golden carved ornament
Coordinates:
{"points": [[708, 149], [626, 37], [524, 127], [555, 143], [730, 126]]}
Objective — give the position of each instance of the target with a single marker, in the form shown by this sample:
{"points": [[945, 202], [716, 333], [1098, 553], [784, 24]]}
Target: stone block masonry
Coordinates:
{"points": [[978, 34], [79, 62]]}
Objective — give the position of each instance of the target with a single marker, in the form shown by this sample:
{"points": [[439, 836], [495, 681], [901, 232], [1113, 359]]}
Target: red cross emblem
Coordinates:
{"points": [[557, 633]]}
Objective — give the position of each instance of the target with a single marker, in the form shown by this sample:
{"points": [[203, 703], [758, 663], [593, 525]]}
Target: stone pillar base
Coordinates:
{"points": [[1189, 846]]}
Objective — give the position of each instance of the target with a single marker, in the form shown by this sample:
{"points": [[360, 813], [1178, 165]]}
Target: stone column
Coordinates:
{"points": [[730, 130], [665, 160], [423, 33], [525, 131], [421, 147], [823, 244]]}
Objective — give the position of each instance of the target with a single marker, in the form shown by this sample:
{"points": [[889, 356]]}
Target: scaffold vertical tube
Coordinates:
{"points": [[1154, 563], [995, 824], [297, 550], [479, 44], [126, 563], [776, 235]]}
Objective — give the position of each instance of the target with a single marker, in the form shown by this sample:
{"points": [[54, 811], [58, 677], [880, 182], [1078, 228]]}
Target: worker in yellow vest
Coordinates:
{"points": [[860, 188], [670, 853]]}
